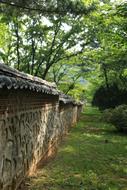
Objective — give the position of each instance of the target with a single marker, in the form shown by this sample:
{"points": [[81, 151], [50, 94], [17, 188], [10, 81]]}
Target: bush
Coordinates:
{"points": [[107, 114], [117, 117], [111, 97]]}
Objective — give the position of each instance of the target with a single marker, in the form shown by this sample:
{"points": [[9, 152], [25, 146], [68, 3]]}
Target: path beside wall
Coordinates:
{"points": [[34, 116]]}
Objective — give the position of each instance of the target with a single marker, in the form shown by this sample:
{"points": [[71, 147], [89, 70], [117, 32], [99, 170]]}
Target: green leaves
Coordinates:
{"points": [[50, 7], [84, 40]]}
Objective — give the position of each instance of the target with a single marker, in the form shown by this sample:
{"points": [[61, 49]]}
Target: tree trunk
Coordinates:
{"points": [[17, 44], [105, 76], [45, 72], [33, 55]]}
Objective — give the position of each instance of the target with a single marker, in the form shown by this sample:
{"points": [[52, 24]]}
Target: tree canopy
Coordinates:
{"points": [[80, 45]]}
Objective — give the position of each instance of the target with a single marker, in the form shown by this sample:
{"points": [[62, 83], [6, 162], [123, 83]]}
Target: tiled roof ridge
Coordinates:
{"points": [[15, 73], [12, 78], [66, 99]]}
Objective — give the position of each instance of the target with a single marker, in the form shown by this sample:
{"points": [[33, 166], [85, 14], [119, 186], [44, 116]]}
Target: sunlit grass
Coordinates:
{"points": [[92, 157]]}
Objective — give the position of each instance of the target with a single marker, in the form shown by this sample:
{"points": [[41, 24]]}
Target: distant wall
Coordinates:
{"points": [[31, 126]]}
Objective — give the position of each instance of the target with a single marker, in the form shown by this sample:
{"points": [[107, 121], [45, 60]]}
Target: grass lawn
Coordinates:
{"points": [[92, 157]]}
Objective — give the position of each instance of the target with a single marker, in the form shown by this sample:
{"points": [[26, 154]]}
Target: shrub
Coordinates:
{"points": [[107, 114], [111, 97], [117, 117]]}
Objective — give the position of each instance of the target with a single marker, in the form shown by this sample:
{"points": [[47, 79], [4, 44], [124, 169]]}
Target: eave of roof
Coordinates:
{"points": [[66, 99], [13, 79]]}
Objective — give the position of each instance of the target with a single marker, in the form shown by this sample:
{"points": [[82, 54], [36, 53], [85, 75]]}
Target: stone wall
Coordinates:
{"points": [[31, 126], [68, 116]]}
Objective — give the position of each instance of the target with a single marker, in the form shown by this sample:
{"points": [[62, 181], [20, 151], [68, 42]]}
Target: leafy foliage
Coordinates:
{"points": [[110, 50], [117, 117], [49, 7], [67, 43], [109, 97], [39, 42]]}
